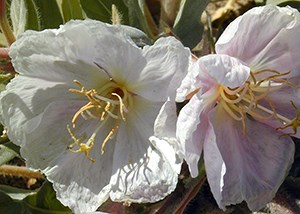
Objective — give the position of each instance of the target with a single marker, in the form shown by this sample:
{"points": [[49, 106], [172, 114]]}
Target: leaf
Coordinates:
{"points": [[6, 154], [8, 205], [188, 26], [45, 201], [71, 9], [292, 3], [32, 21], [18, 14], [101, 9], [16, 193], [49, 14], [138, 36], [139, 17]]}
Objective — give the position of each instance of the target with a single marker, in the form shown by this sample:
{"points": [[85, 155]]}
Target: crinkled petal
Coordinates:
{"points": [[166, 61], [250, 167], [164, 138], [191, 129], [189, 83], [140, 172], [79, 183], [227, 71], [25, 98], [254, 39]]}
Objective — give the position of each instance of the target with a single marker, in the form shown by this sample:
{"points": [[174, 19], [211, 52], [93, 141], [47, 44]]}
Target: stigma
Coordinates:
{"points": [[246, 100], [110, 102]]}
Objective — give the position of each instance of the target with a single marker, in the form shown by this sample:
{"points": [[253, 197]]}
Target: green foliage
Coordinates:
{"points": [[101, 9], [8, 205], [6, 154], [71, 9], [45, 201], [49, 14], [293, 3], [187, 25], [137, 17], [32, 16]]}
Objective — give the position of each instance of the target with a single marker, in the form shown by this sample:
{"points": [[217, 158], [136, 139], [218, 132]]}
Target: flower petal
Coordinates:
{"points": [[255, 164], [191, 128], [25, 98], [79, 183], [254, 39], [167, 62], [227, 71], [282, 101], [164, 138], [141, 173]]}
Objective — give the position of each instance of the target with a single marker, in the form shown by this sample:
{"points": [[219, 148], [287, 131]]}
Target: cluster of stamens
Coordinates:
{"points": [[110, 101], [245, 100]]}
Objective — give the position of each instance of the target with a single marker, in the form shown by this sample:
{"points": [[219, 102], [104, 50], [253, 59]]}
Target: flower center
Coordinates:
{"points": [[111, 101], [245, 100]]}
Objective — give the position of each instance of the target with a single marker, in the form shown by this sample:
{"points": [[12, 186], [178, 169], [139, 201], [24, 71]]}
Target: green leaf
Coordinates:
{"points": [[8, 205], [137, 18], [101, 9], [188, 26], [49, 14], [138, 36], [32, 21], [71, 9], [18, 14], [6, 154], [16, 193], [45, 201], [292, 3]]}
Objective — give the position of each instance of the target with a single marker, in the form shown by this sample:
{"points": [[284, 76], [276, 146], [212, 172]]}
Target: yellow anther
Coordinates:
{"points": [[85, 148], [108, 137], [294, 123], [245, 100], [101, 105], [121, 105]]}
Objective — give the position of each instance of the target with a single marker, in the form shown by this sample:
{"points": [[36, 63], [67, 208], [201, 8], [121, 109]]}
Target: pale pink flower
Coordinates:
{"points": [[245, 107]]}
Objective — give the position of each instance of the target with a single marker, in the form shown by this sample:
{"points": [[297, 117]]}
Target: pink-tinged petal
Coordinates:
{"points": [[282, 100], [166, 64], [140, 172], [192, 127], [189, 83], [227, 71], [254, 39], [251, 166]]}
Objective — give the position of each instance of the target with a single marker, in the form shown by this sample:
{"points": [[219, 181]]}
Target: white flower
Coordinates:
{"points": [[83, 107]]}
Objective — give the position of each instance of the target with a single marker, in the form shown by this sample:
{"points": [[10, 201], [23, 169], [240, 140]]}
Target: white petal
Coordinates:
{"points": [[164, 138], [227, 71], [255, 164], [167, 62], [256, 40], [26, 98], [141, 173]]}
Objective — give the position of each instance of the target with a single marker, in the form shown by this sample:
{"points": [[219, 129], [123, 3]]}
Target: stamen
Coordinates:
{"points": [[293, 124], [108, 137], [85, 148], [241, 101], [121, 105], [110, 102]]}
